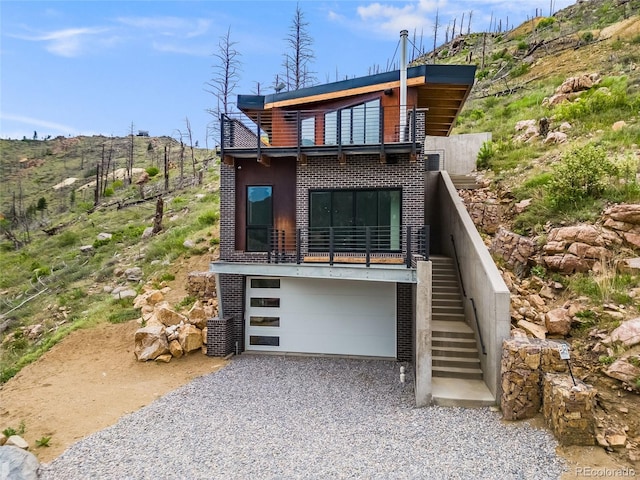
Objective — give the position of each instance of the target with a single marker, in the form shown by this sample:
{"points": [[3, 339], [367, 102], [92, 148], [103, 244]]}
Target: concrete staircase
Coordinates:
{"points": [[456, 373], [464, 182]]}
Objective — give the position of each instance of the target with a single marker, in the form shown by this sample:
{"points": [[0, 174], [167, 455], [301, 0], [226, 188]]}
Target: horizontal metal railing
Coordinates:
{"points": [[360, 244], [308, 128]]}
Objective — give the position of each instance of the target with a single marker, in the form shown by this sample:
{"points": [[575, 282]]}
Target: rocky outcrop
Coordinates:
{"points": [[571, 89], [574, 249], [626, 369], [201, 285], [628, 333], [484, 209], [514, 249], [168, 333], [624, 221]]}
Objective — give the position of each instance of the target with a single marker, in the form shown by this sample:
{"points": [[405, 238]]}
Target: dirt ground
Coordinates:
{"points": [[86, 383]]}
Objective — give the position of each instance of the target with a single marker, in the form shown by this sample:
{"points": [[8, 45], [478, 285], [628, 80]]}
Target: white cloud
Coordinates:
{"points": [[169, 26], [54, 128], [69, 42], [389, 18]]}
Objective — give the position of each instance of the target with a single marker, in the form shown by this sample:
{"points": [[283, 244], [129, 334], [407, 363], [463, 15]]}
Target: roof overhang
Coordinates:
{"points": [[441, 90]]}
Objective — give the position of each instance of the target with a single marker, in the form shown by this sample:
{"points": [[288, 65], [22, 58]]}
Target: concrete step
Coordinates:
{"points": [[456, 372], [456, 362], [453, 303], [448, 317], [451, 329], [452, 342], [447, 351], [455, 392]]}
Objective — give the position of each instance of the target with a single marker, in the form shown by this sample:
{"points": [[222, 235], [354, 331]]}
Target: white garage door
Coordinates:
{"points": [[306, 315]]}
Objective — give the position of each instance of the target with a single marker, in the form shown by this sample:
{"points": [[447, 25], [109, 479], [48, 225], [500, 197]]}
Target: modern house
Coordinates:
{"points": [[335, 230]]}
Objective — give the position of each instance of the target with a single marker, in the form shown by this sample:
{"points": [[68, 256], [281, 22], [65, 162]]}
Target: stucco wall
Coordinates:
{"points": [[458, 153]]}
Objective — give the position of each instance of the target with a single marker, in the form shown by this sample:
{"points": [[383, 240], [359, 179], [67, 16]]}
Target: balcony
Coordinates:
{"points": [[366, 246], [367, 128]]}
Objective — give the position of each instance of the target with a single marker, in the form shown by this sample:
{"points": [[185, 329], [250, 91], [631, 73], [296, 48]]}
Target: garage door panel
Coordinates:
{"points": [[327, 316]]}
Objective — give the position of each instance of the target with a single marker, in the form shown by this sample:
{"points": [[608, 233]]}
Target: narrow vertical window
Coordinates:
{"points": [[259, 217]]}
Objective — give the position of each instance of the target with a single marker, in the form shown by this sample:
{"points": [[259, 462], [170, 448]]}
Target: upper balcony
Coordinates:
{"points": [[364, 129]]}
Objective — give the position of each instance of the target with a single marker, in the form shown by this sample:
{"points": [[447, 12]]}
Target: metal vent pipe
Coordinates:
{"points": [[403, 84]]}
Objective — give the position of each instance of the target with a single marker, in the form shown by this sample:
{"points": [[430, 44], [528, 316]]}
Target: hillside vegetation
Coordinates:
{"points": [[58, 271]]}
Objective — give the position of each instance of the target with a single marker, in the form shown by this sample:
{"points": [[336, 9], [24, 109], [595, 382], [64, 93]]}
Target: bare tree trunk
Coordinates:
{"points": [[193, 158], [157, 220], [484, 46], [435, 35], [166, 169], [96, 198], [461, 24], [469, 24]]}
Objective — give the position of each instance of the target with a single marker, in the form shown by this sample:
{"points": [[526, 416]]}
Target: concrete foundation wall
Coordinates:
{"points": [[423, 350], [458, 153], [481, 279]]}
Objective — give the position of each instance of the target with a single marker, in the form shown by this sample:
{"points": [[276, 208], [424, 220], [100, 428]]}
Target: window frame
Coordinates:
{"points": [[394, 232], [257, 227]]}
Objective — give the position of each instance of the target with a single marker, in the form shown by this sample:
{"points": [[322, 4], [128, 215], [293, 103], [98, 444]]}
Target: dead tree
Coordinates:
{"points": [[435, 35], [226, 74], [157, 219], [193, 158], [299, 54], [469, 24]]}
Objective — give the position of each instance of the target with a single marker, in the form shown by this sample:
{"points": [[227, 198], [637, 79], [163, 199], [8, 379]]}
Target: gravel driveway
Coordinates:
{"points": [[279, 417]]}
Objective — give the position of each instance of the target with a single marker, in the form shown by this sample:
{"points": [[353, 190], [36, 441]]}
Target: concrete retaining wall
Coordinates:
{"points": [[481, 278], [458, 153]]}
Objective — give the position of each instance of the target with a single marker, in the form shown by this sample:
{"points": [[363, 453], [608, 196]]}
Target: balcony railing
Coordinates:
{"points": [[307, 130], [366, 245]]}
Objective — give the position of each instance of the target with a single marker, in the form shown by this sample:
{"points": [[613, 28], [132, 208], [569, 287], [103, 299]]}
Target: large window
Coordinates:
{"points": [[355, 219], [259, 217], [359, 124]]}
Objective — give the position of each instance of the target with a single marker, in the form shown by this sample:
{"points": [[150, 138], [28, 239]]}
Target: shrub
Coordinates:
{"points": [[582, 174], [208, 218], [108, 192], [545, 22], [485, 154], [587, 37], [117, 184], [522, 46], [68, 239], [43, 442], [152, 171]]}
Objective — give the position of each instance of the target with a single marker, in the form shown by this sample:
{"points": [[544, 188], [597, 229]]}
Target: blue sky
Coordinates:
{"points": [[95, 67]]}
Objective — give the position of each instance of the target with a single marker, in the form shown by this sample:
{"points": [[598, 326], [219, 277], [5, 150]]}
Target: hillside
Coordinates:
{"points": [[576, 76], [63, 251]]}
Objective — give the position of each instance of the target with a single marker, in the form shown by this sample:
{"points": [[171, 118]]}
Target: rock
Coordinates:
{"points": [[576, 84], [522, 205], [168, 316], [148, 232], [3, 439], [150, 343], [197, 315], [164, 358], [124, 293], [152, 297], [86, 248], [18, 464], [616, 440], [556, 137], [133, 274], [190, 337], [566, 264], [579, 233], [619, 125], [628, 333], [176, 349], [104, 236], [565, 127], [189, 244], [205, 332], [525, 124], [142, 179], [626, 213], [547, 292], [534, 329], [623, 370], [558, 322], [17, 441], [629, 265]]}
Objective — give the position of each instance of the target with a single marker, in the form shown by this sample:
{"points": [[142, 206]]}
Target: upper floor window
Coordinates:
{"points": [[359, 124], [259, 217]]}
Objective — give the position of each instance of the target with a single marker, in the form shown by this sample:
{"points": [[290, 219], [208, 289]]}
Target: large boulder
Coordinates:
{"points": [[175, 348], [558, 321], [628, 333], [18, 464], [190, 337], [197, 315], [168, 316], [624, 370], [150, 343]]}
